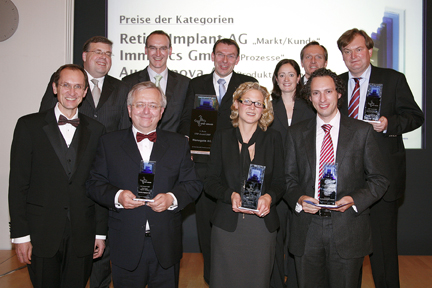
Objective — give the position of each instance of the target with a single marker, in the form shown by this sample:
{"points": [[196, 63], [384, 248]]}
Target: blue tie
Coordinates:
{"points": [[221, 89]]}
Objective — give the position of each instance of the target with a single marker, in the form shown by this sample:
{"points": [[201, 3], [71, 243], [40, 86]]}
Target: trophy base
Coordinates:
{"points": [[144, 200], [249, 209]]}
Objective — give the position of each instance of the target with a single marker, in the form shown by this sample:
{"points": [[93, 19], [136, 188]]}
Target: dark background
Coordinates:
{"points": [[415, 213]]}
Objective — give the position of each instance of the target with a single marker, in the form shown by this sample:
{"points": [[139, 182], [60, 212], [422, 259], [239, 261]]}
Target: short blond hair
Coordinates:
{"points": [[267, 114]]}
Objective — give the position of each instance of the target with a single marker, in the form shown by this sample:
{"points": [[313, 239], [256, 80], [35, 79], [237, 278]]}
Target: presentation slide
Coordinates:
{"points": [[268, 33]]}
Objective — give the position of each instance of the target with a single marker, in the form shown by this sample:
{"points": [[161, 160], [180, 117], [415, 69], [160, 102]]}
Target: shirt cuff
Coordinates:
{"points": [[21, 240], [355, 208], [174, 205], [101, 237], [298, 208], [116, 203]]}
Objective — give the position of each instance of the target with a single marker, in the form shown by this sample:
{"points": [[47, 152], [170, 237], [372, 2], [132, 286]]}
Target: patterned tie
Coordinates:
{"points": [[158, 79], [327, 153], [96, 92], [152, 136], [63, 120], [353, 108], [222, 90]]}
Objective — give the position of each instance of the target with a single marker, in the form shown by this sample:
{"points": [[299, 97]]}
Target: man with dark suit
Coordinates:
{"points": [[399, 114], [106, 100], [329, 244], [225, 55], [312, 56], [174, 85], [53, 223], [146, 237]]}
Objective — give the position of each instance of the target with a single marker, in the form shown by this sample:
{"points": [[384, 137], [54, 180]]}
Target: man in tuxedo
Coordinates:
{"points": [[105, 102], [399, 114], [57, 230], [222, 82], [313, 56], [146, 237], [106, 97], [329, 244], [158, 48]]}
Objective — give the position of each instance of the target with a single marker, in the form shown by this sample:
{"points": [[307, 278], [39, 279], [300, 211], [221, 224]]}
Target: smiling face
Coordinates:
{"points": [[313, 59], [158, 50], [324, 97], [249, 114], [287, 78], [225, 58], [356, 56], [97, 65], [70, 98], [146, 119]]}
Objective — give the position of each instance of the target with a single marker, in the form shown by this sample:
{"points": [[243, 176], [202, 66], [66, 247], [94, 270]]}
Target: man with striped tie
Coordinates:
{"points": [[329, 244], [399, 114]]}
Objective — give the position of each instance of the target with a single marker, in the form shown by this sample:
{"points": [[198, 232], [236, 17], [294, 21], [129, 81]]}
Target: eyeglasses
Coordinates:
{"points": [[99, 52], [153, 49], [248, 102], [222, 56], [141, 106], [68, 86]]}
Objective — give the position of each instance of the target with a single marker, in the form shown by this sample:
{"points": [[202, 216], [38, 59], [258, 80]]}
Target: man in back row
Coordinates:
{"points": [[174, 85], [399, 114], [222, 83], [312, 56]]}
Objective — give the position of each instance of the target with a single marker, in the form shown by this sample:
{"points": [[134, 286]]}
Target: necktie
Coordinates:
{"points": [[221, 89], [327, 152], [96, 92], [152, 137], [353, 108], [63, 120], [158, 79]]}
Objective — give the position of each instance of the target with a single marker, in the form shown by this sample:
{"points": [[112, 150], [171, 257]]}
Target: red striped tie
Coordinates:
{"points": [[353, 108], [327, 153]]}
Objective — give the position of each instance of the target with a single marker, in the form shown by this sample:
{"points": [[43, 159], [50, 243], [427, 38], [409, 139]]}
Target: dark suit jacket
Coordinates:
{"points": [[403, 115], [360, 175], [41, 193], [176, 89], [302, 111], [204, 85], [224, 176], [112, 107], [116, 166]]}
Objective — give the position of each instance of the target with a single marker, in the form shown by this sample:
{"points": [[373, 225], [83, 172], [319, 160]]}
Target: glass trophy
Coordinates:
{"points": [[146, 181], [328, 185], [372, 109], [203, 123], [252, 187]]}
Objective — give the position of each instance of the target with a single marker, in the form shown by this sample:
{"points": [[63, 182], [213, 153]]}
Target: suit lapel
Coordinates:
{"points": [[280, 112], [82, 136], [171, 85], [56, 139], [309, 138], [143, 76], [107, 89], [345, 137], [159, 148], [130, 147]]}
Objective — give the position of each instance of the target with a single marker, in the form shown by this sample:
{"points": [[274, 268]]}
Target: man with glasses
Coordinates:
{"points": [[57, 230], [105, 102], [174, 85], [146, 237], [222, 82]]}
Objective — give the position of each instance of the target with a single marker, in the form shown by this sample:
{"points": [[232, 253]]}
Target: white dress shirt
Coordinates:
{"points": [[163, 82], [364, 83], [216, 84]]}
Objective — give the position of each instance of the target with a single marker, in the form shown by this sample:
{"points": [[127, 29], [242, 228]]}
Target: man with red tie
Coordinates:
{"points": [[146, 241], [399, 114], [329, 244]]}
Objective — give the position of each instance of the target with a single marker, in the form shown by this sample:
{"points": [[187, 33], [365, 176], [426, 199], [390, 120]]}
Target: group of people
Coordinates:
{"points": [[75, 167]]}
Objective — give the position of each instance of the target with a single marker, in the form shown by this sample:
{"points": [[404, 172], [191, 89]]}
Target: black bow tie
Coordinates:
{"points": [[63, 120]]}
